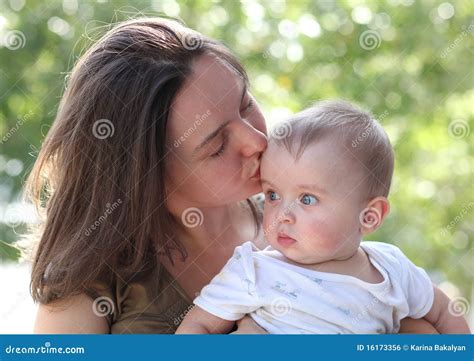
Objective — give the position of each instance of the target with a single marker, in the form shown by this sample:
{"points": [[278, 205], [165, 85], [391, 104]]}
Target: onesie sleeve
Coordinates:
{"points": [[232, 293], [415, 282], [418, 289]]}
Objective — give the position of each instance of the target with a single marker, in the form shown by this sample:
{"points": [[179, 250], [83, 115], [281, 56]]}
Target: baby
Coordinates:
{"points": [[326, 179]]}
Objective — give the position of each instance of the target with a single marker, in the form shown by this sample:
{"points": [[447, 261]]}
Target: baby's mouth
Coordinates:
{"points": [[284, 240]]}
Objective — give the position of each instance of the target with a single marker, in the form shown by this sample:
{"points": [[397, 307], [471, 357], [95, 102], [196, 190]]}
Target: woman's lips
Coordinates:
{"points": [[285, 240], [256, 174]]}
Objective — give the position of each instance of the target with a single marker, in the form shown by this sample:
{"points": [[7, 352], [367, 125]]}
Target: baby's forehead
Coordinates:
{"points": [[329, 146], [324, 160]]}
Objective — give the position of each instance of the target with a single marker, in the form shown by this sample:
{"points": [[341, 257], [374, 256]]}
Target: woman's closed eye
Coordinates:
{"points": [[222, 147], [249, 105], [309, 199]]}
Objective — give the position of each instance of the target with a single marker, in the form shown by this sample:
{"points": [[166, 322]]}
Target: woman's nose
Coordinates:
{"points": [[252, 140]]}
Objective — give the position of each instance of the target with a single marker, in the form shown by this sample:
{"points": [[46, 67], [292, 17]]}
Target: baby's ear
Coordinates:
{"points": [[373, 214]]}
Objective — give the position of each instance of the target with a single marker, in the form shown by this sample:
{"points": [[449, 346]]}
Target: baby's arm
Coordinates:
{"points": [[443, 320], [200, 321], [417, 325]]}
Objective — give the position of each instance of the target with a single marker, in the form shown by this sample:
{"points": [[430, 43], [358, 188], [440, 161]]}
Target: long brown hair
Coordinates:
{"points": [[99, 177]]}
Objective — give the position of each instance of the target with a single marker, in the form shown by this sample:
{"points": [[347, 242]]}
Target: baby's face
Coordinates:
{"points": [[312, 205]]}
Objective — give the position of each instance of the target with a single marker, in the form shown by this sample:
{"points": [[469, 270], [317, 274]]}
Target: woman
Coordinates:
{"points": [[146, 178]]}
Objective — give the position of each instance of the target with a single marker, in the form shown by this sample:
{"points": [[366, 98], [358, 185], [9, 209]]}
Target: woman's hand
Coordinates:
{"points": [[410, 325], [248, 326]]}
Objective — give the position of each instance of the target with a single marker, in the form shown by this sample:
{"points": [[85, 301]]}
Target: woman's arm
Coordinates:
{"points": [[74, 315]]}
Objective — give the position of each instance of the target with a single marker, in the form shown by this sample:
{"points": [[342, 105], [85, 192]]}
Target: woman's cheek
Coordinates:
{"points": [[218, 173], [227, 168]]}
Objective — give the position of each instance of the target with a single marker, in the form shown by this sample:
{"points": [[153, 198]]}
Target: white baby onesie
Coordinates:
{"points": [[286, 299]]}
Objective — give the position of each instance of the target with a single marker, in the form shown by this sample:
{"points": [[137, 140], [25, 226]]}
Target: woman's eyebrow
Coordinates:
{"points": [[214, 133]]}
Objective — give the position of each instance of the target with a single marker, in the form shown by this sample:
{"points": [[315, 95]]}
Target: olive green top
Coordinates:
{"points": [[155, 305]]}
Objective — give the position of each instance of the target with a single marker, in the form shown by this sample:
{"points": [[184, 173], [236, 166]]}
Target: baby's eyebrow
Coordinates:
{"points": [[264, 181], [312, 187]]}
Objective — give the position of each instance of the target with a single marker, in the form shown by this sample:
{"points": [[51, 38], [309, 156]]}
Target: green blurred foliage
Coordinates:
{"points": [[409, 62]]}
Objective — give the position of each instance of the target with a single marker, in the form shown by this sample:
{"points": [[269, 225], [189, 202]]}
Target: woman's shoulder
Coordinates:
{"points": [[259, 200], [71, 315], [151, 304]]}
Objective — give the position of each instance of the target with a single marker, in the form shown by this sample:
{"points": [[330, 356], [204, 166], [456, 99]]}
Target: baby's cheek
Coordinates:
{"points": [[321, 235], [270, 222]]}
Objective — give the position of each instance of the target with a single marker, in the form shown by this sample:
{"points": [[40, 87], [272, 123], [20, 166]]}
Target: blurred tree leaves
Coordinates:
{"points": [[409, 62]]}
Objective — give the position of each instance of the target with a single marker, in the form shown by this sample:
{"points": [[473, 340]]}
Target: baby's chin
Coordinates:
{"points": [[300, 256], [305, 260], [292, 253]]}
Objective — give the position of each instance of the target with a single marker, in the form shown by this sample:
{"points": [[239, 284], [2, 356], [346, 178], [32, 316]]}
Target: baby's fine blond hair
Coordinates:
{"points": [[355, 131]]}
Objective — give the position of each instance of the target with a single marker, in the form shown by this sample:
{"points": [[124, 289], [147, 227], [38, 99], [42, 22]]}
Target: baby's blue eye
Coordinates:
{"points": [[309, 200], [273, 196]]}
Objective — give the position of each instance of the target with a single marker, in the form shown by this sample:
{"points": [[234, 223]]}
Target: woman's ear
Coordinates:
{"points": [[373, 214]]}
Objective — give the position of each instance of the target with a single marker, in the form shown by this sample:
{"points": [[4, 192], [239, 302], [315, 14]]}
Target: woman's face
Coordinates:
{"points": [[215, 137]]}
